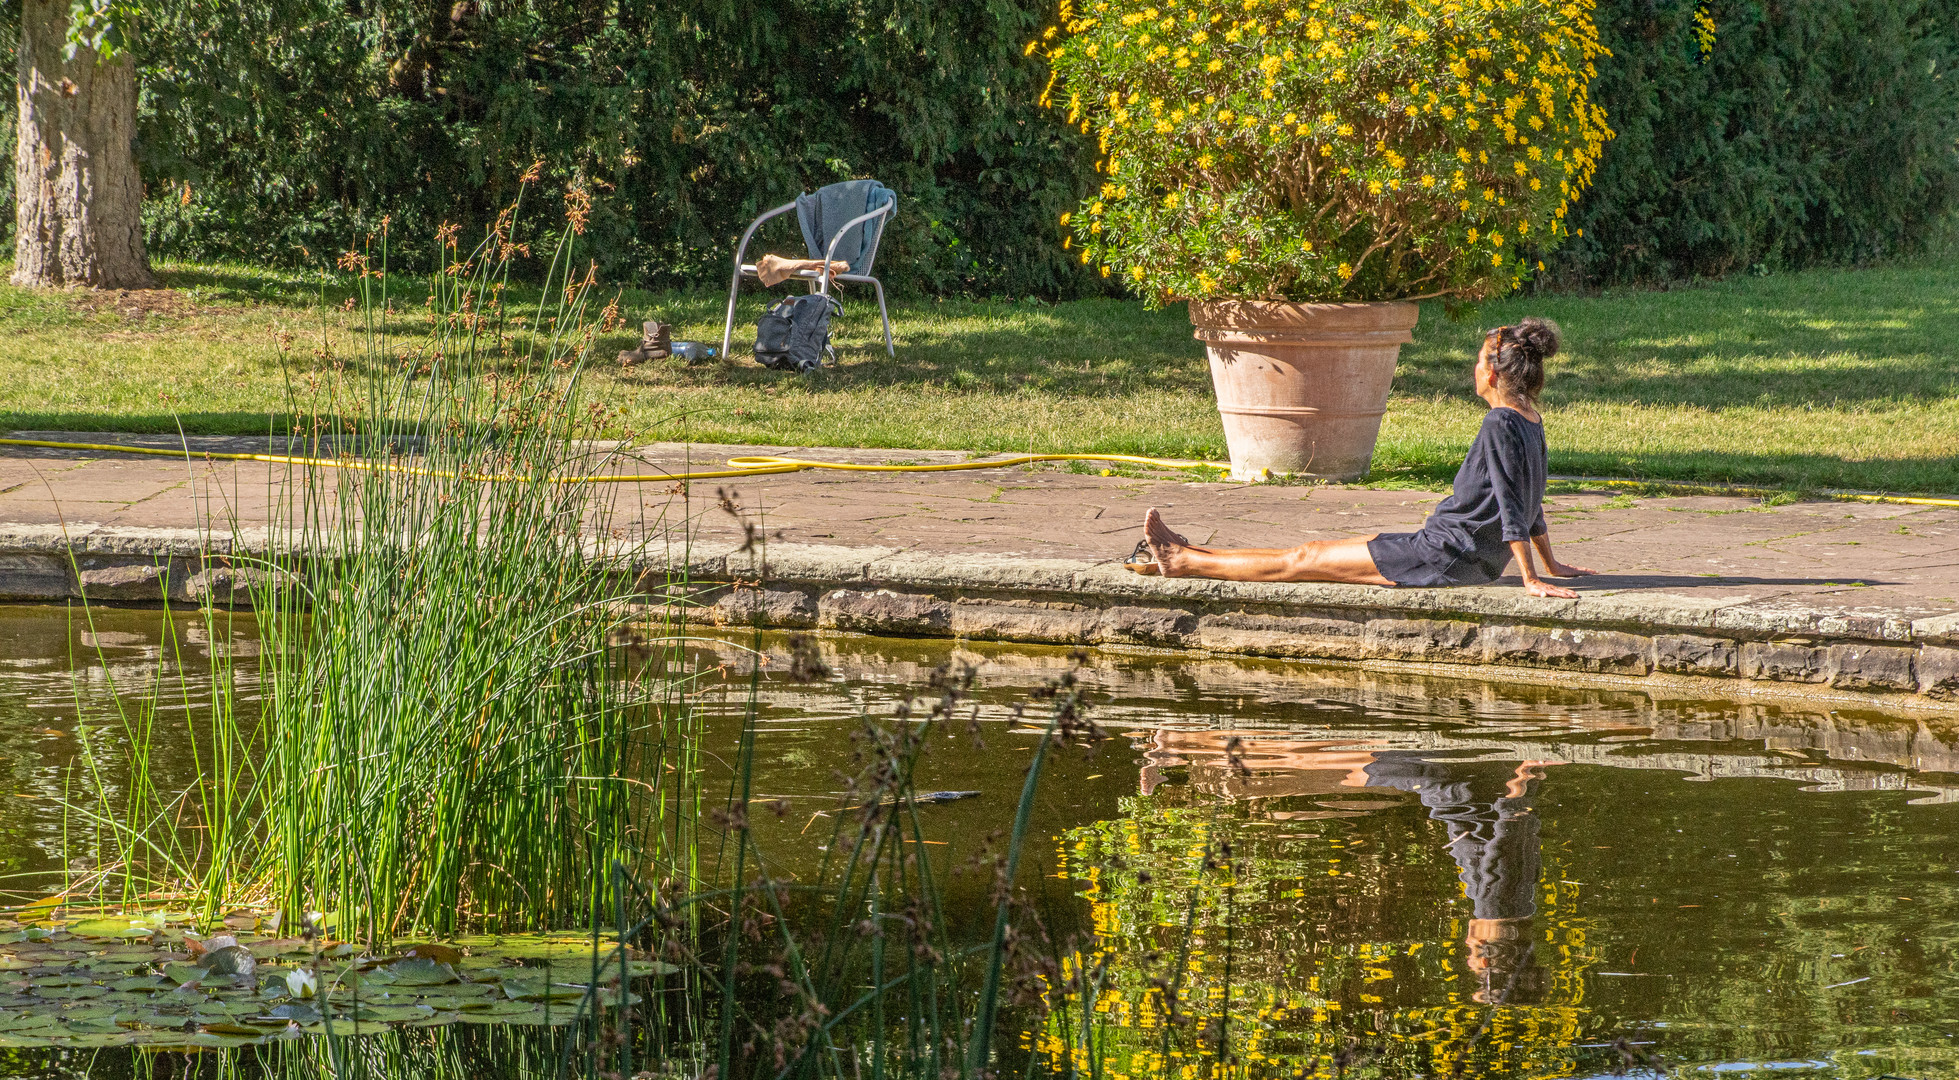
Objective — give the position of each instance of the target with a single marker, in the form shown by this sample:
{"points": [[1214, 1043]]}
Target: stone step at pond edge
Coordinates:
{"points": [[1889, 657]]}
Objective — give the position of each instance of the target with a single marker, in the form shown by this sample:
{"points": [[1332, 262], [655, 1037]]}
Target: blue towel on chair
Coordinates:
{"points": [[825, 210]]}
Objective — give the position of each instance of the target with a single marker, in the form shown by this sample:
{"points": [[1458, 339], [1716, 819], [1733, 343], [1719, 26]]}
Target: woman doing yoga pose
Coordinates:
{"points": [[1494, 514]]}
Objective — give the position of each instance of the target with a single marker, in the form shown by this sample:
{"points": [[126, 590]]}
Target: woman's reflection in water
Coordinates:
{"points": [[1493, 836], [1486, 806]]}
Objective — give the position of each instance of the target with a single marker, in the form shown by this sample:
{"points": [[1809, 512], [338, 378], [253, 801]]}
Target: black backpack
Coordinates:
{"points": [[794, 335]]}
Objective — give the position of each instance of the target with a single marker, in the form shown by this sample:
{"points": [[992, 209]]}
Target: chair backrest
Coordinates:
{"points": [[825, 210]]}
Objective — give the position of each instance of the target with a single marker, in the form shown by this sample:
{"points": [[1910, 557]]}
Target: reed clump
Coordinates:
{"points": [[450, 733]]}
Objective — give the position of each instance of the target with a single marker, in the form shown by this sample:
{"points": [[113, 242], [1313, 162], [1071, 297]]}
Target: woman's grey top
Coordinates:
{"points": [[1498, 497]]}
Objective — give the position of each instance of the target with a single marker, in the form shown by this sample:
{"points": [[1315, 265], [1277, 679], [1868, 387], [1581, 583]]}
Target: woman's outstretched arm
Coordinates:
{"points": [[1527, 568], [1542, 540]]}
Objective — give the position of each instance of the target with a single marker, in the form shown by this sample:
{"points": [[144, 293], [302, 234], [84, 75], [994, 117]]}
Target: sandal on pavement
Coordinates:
{"points": [[1140, 561]]}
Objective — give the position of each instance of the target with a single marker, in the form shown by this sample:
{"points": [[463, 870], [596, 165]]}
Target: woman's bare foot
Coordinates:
{"points": [[1165, 545]]}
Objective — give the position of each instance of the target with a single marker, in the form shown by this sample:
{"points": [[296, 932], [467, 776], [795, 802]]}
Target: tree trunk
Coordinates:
{"points": [[78, 197]]}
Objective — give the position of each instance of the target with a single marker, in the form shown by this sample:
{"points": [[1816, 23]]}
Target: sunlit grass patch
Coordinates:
{"points": [[1835, 378]]}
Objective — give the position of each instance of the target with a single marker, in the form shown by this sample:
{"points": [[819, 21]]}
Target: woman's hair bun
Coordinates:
{"points": [[1521, 349], [1540, 336]]}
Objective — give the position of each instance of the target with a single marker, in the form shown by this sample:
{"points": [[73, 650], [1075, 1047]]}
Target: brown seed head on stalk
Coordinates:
{"points": [[578, 207]]}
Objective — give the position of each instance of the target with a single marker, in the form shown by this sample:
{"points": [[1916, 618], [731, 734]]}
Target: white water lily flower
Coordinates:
{"points": [[302, 983]]}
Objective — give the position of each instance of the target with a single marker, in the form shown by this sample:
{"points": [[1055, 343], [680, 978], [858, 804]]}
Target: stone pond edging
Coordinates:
{"points": [[1886, 656], [1880, 654]]}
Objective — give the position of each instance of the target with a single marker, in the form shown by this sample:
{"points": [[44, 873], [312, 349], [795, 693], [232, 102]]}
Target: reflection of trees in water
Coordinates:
{"points": [[1426, 944]]}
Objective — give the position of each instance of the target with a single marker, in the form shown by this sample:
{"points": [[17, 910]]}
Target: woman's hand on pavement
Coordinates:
{"points": [[1538, 587]]}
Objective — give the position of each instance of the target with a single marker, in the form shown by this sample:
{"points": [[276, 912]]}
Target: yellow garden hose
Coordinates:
{"points": [[766, 465], [749, 465], [1759, 492]]}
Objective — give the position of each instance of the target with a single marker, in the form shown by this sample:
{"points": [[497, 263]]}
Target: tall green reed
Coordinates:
{"points": [[453, 733], [454, 736]]}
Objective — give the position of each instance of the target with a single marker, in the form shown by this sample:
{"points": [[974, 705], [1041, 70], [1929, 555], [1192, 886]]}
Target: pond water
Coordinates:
{"points": [[1341, 869]]}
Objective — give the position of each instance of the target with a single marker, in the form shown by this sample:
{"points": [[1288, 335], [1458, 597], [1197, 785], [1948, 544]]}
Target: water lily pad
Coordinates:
{"points": [[15, 963], [162, 1021], [526, 990], [441, 954], [142, 983], [420, 971], [123, 927], [295, 1011], [271, 947], [363, 981], [635, 969], [553, 1018], [441, 1019], [135, 954], [393, 1014], [553, 948], [72, 993], [185, 974], [224, 1040]]}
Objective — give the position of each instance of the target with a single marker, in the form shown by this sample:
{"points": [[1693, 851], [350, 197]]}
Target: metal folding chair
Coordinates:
{"points": [[819, 281]]}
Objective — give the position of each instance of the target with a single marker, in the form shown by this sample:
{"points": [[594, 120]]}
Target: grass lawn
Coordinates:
{"points": [[1822, 379]]}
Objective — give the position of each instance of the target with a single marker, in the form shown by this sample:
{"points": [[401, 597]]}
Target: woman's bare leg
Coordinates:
{"points": [[1319, 560]]}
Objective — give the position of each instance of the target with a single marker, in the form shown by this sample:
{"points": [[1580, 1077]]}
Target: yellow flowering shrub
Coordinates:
{"points": [[1327, 149]]}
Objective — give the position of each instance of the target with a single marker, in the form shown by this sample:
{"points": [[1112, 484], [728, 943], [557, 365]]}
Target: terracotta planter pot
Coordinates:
{"points": [[1301, 387]]}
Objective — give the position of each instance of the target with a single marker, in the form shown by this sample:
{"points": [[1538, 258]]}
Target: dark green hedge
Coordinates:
{"points": [[1814, 132], [1817, 131], [280, 129]]}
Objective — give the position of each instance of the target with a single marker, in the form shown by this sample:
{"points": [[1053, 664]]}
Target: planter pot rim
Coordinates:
{"points": [[1286, 315]]}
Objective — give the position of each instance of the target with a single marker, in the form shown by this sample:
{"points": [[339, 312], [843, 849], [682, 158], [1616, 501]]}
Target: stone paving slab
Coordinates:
{"points": [[1822, 554], [1742, 579]]}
